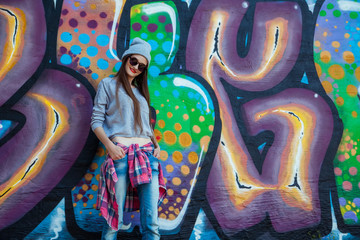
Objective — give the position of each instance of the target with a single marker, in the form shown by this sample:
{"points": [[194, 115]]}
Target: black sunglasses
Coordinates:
{"points": [[133, 61]]}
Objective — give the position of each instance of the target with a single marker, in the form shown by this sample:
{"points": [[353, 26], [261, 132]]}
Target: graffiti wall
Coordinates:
{"points": [[255, 106]]}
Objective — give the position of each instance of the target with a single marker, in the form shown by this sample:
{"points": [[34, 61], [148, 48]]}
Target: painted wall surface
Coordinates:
{"points": [[255, 106]]}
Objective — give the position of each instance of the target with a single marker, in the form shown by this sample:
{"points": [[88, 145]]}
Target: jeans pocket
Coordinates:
{"points": [[154, 163], [118, 159], [120, 162], [121, 166]]}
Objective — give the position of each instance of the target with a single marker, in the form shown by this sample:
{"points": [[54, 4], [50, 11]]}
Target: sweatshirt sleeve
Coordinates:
{"points": [[100, 104]]}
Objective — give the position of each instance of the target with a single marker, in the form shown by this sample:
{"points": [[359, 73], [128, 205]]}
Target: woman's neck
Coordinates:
{"points": [[131, 80]]}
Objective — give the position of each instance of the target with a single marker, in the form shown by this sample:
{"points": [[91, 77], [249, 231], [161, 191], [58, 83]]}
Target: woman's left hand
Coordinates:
{"points": [[157, 152]]}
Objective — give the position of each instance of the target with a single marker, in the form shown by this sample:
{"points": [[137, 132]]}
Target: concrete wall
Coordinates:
{"points": [[255, 107]]}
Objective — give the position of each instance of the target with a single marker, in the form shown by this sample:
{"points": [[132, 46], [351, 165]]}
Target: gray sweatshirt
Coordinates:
{"points": [[106, 112]]}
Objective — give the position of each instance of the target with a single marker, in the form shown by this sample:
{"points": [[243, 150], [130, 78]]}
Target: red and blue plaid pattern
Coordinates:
{"points": [[139, 173], [106, 200]]}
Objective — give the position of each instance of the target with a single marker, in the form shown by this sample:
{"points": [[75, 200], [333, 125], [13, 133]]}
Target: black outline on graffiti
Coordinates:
{"points": [[32, 218], [304, 64]]}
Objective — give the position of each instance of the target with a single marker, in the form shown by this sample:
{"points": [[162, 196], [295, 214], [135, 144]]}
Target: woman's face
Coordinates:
{"points": [[133, 71]]}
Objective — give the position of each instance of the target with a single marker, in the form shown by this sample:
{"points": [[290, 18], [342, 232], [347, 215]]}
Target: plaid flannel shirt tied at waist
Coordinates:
{"points": [[139, 173]]}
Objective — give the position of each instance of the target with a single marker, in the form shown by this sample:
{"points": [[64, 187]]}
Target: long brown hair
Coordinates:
{"points": [[140, 82]]}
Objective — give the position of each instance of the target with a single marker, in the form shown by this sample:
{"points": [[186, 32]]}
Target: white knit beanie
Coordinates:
{"points": [[139, 46]]}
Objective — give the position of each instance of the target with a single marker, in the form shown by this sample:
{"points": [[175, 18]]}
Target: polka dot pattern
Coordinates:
{"points": [[182, 114], [336, 55], [83, 39], [347, 163], [182, 130], [85, 192]]}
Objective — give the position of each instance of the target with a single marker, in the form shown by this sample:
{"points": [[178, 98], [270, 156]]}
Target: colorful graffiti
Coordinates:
{"points": [[336, 42], [254, 104]]}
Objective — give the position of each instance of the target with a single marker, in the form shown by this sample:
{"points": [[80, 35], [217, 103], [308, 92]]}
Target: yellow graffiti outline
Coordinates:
{"points": [[57, 117], [14, 43], [271, 55], [233, 159]]}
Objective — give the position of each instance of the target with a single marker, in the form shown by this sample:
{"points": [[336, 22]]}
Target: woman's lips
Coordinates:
{"points": [[132, 70]]}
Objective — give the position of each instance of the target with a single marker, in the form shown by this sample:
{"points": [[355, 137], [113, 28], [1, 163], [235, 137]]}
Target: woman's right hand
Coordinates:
{"points": [[115, 151]]}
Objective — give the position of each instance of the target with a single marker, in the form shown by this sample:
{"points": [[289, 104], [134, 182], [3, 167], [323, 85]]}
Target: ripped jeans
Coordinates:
{"points": [[148, 196]]}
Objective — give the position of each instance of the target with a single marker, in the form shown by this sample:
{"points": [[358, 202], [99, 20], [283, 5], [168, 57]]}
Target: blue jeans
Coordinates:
{"points": [[148, 196]]}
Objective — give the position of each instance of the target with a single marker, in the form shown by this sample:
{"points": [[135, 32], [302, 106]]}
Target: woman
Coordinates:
{"points": [[121, 121]]}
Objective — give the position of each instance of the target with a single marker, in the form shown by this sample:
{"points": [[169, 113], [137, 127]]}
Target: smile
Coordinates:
{"points": [[132, 70]]}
